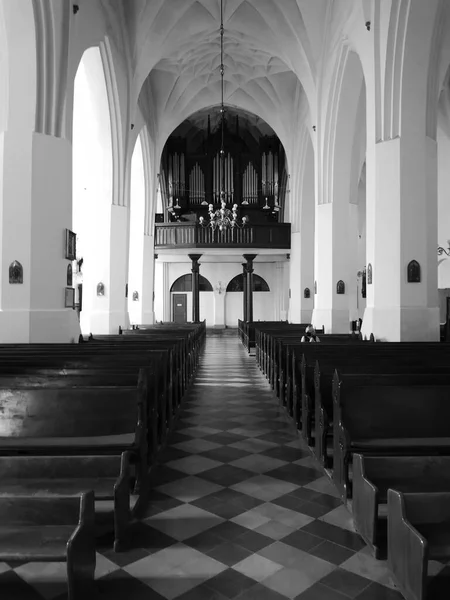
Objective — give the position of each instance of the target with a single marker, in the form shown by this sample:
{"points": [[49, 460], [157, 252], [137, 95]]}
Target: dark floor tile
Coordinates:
{"points": [[260, 592], [229, 553], [286, 453], [176, 437], [226, 510], [225, 454], [226, 475], [148, 538], [202, 592], [320, 592], [12, 587], [171, 453], [328, 501], [222, 424], [228, 530], [230, 583], [254, 541], [305, 494], [205, 541], [123, 559], [227, 495], [224, 438], [289, 501], [375, 591], [275, 425], [331, 552], [312, 509], [121, 586], [347, 583], [158, 501], [335, 534], [302, 540], [295, 474], [247, 502], [277, 437], [162, 474]]}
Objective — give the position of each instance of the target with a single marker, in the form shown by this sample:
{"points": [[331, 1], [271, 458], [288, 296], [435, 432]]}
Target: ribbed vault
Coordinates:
{"points": [[270, 60]]}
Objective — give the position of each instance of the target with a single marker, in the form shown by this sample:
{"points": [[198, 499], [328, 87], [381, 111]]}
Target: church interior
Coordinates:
{"points": [[192, 191]]}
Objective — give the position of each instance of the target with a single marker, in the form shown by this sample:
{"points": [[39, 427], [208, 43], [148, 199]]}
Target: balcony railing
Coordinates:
{"points": [[192, 235]]}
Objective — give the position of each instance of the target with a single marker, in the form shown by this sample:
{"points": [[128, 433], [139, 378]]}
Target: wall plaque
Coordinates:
{"points": [[15, 272], [70, 249], [315, 287], [369, 274], [100, 289], [340, 287], [135, 296], [307, 293], [414, 272]]}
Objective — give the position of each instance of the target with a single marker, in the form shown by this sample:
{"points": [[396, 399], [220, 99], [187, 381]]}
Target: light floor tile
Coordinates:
{"points": [[324, 485], [193, 464], [250, 519], [257, 567], [364, 564], [189, 489], [275, 530], [292, 582], [340, 517], [48, 579], [184, 521], [258, 464]]}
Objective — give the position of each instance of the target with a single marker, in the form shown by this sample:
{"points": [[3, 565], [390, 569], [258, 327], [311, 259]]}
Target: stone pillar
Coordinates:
{"points": [[332, 265], [249, 272], [195, 287], [244, 295], [35, 209], [402, 227]]}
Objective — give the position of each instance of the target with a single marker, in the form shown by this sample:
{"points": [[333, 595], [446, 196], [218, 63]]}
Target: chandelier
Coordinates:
{"points": [[222, 218]]}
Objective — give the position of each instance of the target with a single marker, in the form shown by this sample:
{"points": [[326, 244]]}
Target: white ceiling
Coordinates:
{"points": [[271, 53]]}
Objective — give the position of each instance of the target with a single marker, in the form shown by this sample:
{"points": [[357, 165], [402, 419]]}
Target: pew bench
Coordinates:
{"points": [[390, 420], [418, 531], [373, 476], [52, 529], [76, 421], [377, 372], [107, 476]]}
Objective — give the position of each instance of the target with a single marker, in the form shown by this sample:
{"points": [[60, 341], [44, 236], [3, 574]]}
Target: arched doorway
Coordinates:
{"points": [[181, 299]]}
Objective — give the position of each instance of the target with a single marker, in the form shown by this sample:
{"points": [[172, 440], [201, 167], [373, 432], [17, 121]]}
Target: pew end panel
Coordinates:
{"points": [[408, 551], [365, 506], [81, 558], [43, 529]]}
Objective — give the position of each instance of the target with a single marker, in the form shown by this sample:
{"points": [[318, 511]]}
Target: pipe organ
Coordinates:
{"points": [[250, 185], [196, 185], [176, 175], [251, 172], [269, 174], [223, 179]]}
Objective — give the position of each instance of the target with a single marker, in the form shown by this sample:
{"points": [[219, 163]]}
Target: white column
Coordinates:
{"points": [[332, 264], [401, 227], [35, 210]]}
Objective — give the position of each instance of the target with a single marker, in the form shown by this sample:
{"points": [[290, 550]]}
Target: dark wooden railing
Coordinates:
{"points": [[192, 235]]}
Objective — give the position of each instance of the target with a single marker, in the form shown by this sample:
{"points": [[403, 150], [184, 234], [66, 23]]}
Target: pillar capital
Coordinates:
{"points": [[195, 265]]}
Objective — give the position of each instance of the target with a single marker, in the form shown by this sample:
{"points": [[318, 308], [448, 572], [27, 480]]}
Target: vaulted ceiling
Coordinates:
{"points": [[272, 49]]}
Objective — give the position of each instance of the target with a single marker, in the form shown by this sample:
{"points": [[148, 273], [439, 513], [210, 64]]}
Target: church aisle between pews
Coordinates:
{"points": [[239, 509]]}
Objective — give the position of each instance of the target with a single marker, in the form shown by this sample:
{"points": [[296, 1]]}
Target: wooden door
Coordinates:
{"points": [[179, 310]]}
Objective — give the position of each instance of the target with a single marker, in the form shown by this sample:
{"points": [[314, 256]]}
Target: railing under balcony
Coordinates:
{"points": [[192, 235]]}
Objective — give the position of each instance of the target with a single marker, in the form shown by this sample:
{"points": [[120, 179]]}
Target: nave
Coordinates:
{"points": [[238, 509]]}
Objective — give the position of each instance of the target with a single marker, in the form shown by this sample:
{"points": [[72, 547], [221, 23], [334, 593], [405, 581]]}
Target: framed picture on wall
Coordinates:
{"points": [[69, 299], [70, 245]]}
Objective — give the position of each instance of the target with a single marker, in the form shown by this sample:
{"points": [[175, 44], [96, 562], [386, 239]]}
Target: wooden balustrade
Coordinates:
{"points": [[192, 235]]}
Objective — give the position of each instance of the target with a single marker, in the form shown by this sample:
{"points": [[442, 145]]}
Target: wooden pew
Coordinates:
{"points": [[330, 357], [377, 371], [390, 420], [418, 531], [76, 421], [53, 529], [53, 476], [374, 475]]}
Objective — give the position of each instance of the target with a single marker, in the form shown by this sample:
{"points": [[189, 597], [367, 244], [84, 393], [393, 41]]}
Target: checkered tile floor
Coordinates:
{"points": [[238, 510]]}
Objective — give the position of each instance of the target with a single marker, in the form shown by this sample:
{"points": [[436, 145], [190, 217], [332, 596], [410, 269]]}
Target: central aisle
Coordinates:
{"points": [[239, 509]]}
